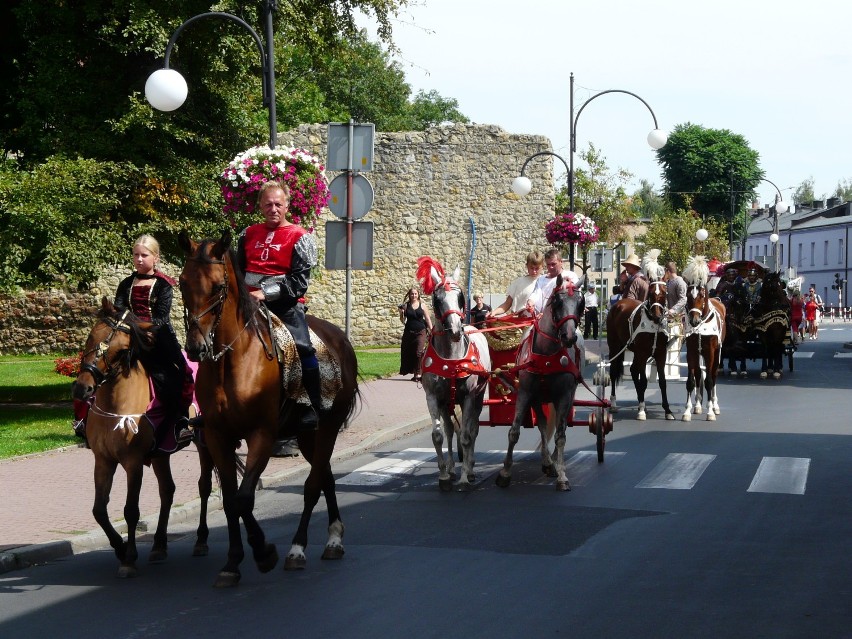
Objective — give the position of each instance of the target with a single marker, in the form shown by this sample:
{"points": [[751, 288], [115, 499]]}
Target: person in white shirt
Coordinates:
{"points": [[520, 289], [545, 283], [591, 313]]}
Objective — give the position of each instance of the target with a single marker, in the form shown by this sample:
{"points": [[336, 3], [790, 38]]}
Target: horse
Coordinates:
{"points": [[705, 333], [456, 367], [772, 324], [119, 432], [548, 365], [639, 326], [239, 388]]}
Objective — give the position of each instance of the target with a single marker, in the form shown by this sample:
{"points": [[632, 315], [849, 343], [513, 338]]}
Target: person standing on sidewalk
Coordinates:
{"points": [[276, 257], [590, 324], [418, 325]]}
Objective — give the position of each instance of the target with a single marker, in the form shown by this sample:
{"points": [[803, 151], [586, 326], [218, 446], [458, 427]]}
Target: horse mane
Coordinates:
{"points": [[247, 304], [697, 272], [141, 339], [652, 268], [430, 272]]}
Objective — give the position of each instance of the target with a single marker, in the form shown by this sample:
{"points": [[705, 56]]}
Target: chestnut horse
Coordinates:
{"points": [[549, 368], [641, 328], [705, 333], [456, 367], [118, 432], [241, 396]]}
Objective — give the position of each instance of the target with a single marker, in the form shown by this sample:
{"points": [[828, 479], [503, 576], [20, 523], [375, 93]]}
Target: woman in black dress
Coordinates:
{"points": [[479, 311], [414, 336]]}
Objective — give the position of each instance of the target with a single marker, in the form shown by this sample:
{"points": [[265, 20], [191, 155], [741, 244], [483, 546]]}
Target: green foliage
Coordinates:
{"points": [[431, 109], [844, 190], [26, 430], [599, 193], [712, 171], [804, 193], [673, 232], [375, 364], [646, 202]]}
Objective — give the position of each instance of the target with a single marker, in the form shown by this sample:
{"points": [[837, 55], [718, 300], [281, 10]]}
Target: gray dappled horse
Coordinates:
{"points": [[455, 369], [549, 367]]}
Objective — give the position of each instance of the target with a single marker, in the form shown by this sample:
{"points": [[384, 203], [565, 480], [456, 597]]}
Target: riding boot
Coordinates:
{"points": [[312, 384]]}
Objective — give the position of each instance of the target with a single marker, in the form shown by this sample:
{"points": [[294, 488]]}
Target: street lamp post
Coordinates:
{"points": [[779, 207], [521, 185], [166, 89]]}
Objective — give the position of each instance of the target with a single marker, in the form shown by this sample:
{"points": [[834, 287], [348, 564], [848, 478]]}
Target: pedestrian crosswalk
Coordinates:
{"points": [[676, 471]]}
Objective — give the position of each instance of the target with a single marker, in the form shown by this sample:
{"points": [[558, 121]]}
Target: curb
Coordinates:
{"points": [[27, 556]]}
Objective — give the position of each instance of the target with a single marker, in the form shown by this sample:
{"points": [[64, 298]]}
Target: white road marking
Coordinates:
{"points": [[678, 471], [788, 475]]}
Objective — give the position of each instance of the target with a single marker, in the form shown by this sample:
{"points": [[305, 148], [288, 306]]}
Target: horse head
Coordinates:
{"points": [[773, 295], [111, 349], [448, 303], [696, 274], [204, 285], [656, 304], [565, 309]]}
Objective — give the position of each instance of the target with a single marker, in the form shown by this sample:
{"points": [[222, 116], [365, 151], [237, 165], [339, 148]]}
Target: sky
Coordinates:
{"points": [[777, 73]]}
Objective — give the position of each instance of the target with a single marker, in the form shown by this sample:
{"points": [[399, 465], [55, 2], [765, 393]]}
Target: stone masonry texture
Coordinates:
{"points": [[443, 192]]}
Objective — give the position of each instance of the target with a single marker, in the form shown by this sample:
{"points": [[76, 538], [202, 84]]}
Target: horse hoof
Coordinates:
{"points": [[776, 375], [717, 410], [157, 556], [295, 562], [670, 417], [763, 375], [686, 417], [641, 416], [333, 552], [550, 471], [563, 486], [697, 410], [446, 485], [125, 572], [269, 559], [502, 481], [711, 416], [226, 579], [200, 550]]}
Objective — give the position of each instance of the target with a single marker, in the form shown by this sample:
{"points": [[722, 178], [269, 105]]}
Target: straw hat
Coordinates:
{"points": [[633, 260]]}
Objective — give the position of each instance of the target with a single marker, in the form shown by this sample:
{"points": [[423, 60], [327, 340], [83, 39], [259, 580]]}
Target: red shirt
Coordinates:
{"points": [[269, 251]]}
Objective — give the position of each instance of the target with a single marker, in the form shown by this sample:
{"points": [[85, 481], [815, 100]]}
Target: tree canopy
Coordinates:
{"points": [[711, 171]]}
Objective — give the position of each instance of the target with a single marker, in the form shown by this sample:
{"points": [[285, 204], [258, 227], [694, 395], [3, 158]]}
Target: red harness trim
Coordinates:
{"points": [[470, 364], [562, 361]]}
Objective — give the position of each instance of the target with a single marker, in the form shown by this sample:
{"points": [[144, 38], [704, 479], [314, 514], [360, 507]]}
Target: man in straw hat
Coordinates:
{"points": [[636, 286]]}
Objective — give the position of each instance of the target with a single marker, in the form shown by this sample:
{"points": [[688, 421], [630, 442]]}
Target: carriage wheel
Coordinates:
{"points": [[600, 433]]}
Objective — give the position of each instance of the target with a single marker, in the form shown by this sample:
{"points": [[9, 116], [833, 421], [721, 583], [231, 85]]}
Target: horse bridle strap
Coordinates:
{"points": [[469, 364], [101, 349]]}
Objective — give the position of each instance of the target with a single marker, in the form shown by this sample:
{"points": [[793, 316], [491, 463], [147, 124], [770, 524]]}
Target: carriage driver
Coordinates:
{"points": [[276, 257], [752, 287], [636, 286]]}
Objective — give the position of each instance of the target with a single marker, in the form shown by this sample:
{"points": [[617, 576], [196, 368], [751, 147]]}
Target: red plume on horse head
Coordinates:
{"points": [[429, 273]]}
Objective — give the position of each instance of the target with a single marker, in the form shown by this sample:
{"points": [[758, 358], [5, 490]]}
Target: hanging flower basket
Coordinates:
{"points": [[297, 168], [571, 228]]}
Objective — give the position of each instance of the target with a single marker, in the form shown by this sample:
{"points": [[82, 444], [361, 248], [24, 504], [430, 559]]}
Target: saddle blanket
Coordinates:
{"points": [[291, 366]]}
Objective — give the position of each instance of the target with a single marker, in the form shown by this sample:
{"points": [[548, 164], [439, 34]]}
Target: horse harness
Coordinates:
{"points": [[101, 350]]}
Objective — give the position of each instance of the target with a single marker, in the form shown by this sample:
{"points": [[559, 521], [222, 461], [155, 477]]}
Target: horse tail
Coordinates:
{"points": [[616, 369]]}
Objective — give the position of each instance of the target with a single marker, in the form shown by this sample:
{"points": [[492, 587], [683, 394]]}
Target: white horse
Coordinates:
{"points": [[455, 368]]}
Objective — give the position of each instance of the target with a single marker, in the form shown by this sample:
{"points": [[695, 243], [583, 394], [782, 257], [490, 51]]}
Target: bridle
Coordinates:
{"points": [[650, 305], [558, 322], [100, 351], [450, 286]]}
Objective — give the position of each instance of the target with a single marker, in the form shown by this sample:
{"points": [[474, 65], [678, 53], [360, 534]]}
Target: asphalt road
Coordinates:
{"points": [[734, 528]]}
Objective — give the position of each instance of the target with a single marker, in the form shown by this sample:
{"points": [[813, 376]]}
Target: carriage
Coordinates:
{"points": [[504, 341], [748, 337]]}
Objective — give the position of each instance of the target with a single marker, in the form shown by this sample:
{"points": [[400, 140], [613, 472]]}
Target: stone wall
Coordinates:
{"points": [[435, 193]]}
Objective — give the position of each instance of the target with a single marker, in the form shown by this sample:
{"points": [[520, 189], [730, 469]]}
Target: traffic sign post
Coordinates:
{"points": [[350, 149]]}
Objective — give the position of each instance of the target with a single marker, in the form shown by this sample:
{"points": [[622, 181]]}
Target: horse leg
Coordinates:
{"points": [[166, 484], [546, 427], [334, 544], [522, 406], [640, 381], [131, 516], [104, 473], [690, 387], [205, 488], [616, 370], [259, 449], [710, 387], [467, 439], [661, 377], [437, 402], [225, 461], [562, 410]]}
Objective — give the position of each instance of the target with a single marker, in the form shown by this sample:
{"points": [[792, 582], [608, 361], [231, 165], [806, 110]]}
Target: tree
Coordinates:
{"points": [[432, 109], [804, 193], [646, 202], [673, 232], [599, 193], [715, 168], [844, 190]]}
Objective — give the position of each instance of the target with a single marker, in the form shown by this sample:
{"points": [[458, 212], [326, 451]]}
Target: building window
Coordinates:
{"points": [[799, 256], [825, 257], [780, 249], [813, 253], [840, 251]]}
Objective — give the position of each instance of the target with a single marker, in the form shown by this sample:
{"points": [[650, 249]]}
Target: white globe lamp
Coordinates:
{"points": [[521, 185], [701, 234], [166, 89], [781, 207], [657, 139], [773, 238]]}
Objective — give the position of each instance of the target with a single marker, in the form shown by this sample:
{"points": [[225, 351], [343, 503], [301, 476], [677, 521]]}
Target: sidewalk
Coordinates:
{"points": [[48, 497]]}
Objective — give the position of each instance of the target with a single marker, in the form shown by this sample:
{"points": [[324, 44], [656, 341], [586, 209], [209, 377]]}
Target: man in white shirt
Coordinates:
{"points": [[545, 283], [591, 313]]}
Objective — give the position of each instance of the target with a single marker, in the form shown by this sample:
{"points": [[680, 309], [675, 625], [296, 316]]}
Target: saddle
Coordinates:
{"points": [[291, 366]]}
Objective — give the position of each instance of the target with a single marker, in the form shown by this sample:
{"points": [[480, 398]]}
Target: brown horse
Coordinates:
{"points": [[241, 396], [772, 324], [705, 334], [639, 327], [118, 432]]}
